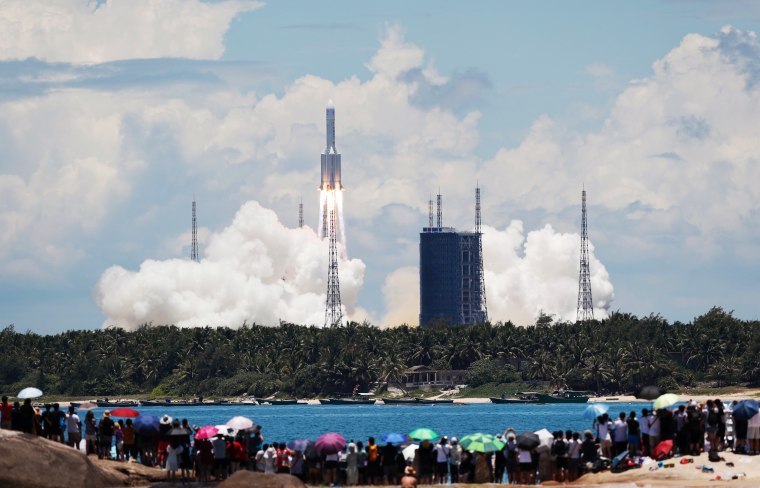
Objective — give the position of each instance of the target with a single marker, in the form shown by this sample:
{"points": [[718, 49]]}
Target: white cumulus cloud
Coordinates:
{"points": [[84, 31], [254, 270]]}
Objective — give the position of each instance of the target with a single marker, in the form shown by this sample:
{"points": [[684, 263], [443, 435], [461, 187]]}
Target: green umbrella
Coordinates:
{"points": [[666, 400], [481, 443], [423, 434]]}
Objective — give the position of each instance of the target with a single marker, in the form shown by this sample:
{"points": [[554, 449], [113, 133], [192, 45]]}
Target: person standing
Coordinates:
{"points": [[352, 468], [388, 462], [654, 429], [753, 433], [603, 426], [634, 434], [455, 459], [621, 434], [27, 417], [130, 449], [55, 417], [6, 413], [441, 461], [105, 432], [73, 428], [90, 433], [510, 457]]}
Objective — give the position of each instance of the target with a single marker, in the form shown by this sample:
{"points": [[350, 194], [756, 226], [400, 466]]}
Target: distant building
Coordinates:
{"points": [[424, 377], [450, 274]]}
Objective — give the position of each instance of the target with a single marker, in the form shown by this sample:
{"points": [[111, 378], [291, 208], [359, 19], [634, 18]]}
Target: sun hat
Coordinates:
{"points": [[454, 439], [107, 413], [166, 420]]}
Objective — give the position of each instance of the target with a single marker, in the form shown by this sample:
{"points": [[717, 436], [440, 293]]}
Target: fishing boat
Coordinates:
{"points": [[522, 397], [347, 401], [180, 403], [432, 401], [106, 403], [282, 402], [400, 401], [564, 396]]}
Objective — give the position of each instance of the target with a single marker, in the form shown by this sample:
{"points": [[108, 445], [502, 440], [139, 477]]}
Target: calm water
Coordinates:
{"points": [[282, 423]]}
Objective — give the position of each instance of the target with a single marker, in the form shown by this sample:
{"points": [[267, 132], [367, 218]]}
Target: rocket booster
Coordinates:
{"points": [[330, 156]]}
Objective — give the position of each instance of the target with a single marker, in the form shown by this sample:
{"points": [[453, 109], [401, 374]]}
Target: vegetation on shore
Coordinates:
{"points": [[619, 354]]}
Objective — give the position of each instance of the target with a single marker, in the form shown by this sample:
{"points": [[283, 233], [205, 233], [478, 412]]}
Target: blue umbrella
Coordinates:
{"points": [[147, 424], [299, 444], [394, 438], [745, 409], [618, 459], [594, 410]]}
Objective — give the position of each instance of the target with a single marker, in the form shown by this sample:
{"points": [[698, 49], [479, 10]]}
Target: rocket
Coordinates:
{"points": [[330, 156]]}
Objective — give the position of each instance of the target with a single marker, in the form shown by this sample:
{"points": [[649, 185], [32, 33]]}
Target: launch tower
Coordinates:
{"points": [[585, 309], [194, 240]]}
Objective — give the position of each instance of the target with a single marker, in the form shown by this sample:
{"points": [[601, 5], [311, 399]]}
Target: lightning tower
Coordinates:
{"points": [[333, 309], [585, 309], [194, 242], [300, 215], [481, 316]]}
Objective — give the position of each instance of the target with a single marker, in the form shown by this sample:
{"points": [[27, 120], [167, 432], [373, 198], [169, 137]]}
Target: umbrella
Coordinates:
{"points": [[299, 445], [745, 409], [225, 430], [618, 459], [409, 451], [481, 443], [666, 400], [29, 393], [595, 410], [330, 443], [423, 434], [649, 393], [87, 406], [528, 440], [166, 420], [206, 432], [147, 424], [240, 423], [545, 437], [394, 438], [124, 412], [662, 449]]}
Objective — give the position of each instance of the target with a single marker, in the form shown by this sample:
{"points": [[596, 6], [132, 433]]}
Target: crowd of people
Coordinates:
{"points": [[175, 446]]}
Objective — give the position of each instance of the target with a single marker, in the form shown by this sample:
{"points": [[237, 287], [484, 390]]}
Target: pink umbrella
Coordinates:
{"points": [[206, 432], [330, 443]]}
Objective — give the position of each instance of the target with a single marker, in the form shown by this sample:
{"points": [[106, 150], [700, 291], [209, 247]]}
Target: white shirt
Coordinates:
{"points": [[754, 421], [442, 453], [644, 425], [654, 425], [573, 449], [72, 423], [621, 428], [604, 431], [524, 456]]}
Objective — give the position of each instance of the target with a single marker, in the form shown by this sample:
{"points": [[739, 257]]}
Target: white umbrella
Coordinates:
{"points": [[29, 393], [409, 451], [240, 423], [225, 430], [87, 406], [545, 437], [166, 420]]}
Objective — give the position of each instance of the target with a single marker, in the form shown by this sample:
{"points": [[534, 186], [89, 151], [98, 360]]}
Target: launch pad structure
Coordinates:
{"points": [[452, 284]]}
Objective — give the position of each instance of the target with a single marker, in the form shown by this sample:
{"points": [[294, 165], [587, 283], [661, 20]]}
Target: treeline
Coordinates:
{"points": [[619, 354]]}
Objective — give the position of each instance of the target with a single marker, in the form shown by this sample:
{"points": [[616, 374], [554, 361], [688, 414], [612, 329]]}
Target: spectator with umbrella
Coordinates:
{"points": [[527, 442], [329, 445]]}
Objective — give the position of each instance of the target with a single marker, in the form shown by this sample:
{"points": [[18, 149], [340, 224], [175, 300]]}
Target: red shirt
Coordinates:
{"points": [[7, 411]]}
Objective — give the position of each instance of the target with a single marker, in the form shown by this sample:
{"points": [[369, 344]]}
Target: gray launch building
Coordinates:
{"points": [[452, 290]]}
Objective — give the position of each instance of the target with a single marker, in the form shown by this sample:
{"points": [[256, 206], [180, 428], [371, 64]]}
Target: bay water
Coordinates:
{"points": [[282, 423]]}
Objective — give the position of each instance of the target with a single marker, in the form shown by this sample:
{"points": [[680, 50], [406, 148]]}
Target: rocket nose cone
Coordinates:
{"points": [[330, 105]]}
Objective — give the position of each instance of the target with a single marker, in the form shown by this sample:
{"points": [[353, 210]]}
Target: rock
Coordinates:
{"points": [[28, 461], [246, 479]]}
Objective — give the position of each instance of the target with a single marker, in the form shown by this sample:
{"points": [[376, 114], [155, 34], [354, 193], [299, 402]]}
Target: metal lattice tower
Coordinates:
{"points": [[300, 214], [481, 271], [585, 309], [333, 309], [430, 212], [439, 202], [194, 243]]}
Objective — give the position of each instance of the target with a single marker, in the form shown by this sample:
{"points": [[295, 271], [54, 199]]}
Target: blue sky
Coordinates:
{"points": [[113, 122]]}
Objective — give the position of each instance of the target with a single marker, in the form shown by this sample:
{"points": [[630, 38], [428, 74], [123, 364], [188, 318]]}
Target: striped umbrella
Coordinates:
{"points": [[481, 443]]}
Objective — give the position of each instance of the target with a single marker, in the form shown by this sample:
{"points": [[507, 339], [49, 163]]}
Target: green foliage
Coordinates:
{"points": [[619, 354], [489, 371]]}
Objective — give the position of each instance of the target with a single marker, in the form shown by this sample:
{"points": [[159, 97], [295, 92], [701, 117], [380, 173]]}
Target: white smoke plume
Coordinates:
{"points": [[525, 276], [255, 270]]}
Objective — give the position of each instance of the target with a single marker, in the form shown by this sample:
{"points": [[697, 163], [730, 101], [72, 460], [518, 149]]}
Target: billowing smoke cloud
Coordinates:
{"points": [[525, 276], [255, 270]]}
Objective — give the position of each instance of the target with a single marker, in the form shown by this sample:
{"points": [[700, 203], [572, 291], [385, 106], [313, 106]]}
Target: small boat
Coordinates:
{"points": [[347, 401], [431, 401], [400, 401], [522, 397], [106, 403], [564, 396], [179, 403], [280, 402]]}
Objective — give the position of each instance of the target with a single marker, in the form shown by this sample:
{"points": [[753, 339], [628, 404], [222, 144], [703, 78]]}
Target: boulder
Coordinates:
{"points": [[28, 461], [247, 479]]}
